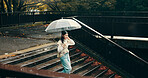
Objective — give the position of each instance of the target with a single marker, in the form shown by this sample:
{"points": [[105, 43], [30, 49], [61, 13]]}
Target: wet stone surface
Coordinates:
{"points": [[18, 38]]}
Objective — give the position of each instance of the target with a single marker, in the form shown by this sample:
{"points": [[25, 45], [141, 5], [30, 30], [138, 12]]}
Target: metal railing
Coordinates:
{"points": [[114, 23], [17, 18], [114, 53], [133, 26], [31, 17]]}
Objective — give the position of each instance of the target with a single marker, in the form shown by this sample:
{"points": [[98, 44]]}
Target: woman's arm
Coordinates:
{"points": [[70, 42]]}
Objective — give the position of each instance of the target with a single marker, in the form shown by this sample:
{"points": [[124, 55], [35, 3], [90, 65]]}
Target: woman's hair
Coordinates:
{"points": [[62, 36]]}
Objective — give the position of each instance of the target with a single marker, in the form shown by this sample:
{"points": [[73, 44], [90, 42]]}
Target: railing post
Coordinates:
{"points": [[33, 17], [112, 31], [18, 19], [46, 17], [1, 19]]}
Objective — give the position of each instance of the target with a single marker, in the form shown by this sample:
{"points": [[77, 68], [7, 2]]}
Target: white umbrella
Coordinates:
{"points": [[62, 25]]}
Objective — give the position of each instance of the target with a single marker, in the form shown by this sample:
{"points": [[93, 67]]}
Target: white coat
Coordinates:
{"points": [[63, 47]]}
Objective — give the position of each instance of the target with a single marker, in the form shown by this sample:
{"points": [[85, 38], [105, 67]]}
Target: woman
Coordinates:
{"points": [[63, 52]]}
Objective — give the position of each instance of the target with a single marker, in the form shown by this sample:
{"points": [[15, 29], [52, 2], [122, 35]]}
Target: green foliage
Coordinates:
{"points": [[132, 5], [73, 5], [65, 1]]}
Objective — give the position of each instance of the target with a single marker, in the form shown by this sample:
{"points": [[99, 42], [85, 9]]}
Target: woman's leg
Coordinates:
{"points": [[66, 64], [68, 58]]}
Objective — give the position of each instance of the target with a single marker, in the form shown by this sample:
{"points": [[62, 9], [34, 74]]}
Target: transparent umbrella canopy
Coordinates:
{"points": [[62, 25]]}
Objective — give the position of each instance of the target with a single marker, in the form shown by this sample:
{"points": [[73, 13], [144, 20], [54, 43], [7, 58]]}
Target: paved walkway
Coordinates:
{"points": [[13, 39]]}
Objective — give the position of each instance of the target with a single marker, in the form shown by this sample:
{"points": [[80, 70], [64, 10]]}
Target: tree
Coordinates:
{"points": [[8, 4], [132, 5], [2, 6], [73, 5], [17, 5], [12, 5], [91, 5]]}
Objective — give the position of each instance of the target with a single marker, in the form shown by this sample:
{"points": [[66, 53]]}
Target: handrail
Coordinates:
{"points": [[110, 40], [84, 12]]}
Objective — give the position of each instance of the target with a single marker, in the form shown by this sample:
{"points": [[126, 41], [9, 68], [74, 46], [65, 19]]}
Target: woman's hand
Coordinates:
{"points": [[64, 45], [66, 36]]}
